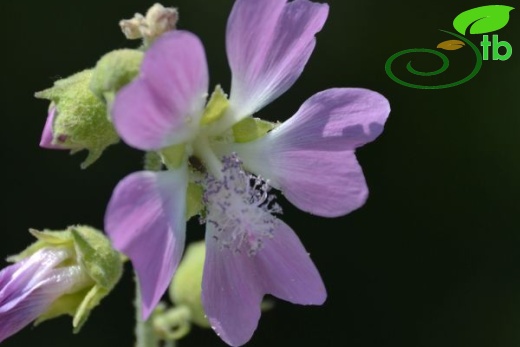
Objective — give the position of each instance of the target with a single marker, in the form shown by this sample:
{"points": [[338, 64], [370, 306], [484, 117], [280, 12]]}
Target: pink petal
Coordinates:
{"points": [[47, 135], [234, 283], [310, 157], [163, 105], [325, 184], [146, 221], [335, 119], [268, 44]]}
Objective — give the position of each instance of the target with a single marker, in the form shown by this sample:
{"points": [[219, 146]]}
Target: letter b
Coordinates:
{"points": [[496, 46]]}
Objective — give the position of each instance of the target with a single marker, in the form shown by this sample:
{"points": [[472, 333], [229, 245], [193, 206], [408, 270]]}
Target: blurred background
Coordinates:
{"points": [[431, 260]]}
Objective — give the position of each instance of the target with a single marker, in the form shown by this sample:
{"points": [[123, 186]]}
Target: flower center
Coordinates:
{"points": [[240, 208]]}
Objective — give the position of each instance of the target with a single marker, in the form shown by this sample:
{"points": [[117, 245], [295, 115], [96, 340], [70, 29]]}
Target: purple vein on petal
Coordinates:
{"points": [[234, 283], [268, 45], [28, 288]]}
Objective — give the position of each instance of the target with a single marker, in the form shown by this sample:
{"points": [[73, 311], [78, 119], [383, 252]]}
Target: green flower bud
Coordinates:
{"points": [[79, 118], [113, 71], [186, 286], [100, 269]]}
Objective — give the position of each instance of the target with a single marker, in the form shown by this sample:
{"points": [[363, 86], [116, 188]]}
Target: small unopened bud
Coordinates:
{"points": [[77, 119], [47, 140]]}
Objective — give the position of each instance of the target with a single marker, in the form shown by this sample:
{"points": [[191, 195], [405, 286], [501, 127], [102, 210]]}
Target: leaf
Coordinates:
{"points": [[451, 45], [482, 20]]}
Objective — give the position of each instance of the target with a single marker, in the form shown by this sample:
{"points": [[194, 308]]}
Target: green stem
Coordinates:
{"points": [[144, 331]]}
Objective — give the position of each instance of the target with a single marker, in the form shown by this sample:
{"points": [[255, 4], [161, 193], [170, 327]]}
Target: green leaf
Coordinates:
{"points": [[482, 20]]}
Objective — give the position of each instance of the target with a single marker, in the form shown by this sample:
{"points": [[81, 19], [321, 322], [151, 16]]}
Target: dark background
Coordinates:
{"points": [[432, 259]]}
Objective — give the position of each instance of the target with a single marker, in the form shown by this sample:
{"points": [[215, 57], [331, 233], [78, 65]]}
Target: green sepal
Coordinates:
{"points": [[216, 107], [90, 300], [186, 287], [113, 71], [173, 156], [250, 129], [152, 161], [97, 256], [194, 202], [66, 304], [81, 118], [44, 238]]}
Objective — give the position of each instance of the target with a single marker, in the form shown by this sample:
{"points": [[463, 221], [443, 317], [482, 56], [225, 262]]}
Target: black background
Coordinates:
{"points": [[432, 259]]}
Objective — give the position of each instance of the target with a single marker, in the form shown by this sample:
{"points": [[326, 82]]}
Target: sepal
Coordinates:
{"points": [[113, 71]]}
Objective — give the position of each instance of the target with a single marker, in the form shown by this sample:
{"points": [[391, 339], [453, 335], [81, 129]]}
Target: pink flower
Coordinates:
{"points": [[310, 158]]}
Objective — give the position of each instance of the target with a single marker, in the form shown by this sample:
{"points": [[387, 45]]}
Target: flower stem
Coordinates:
{"points": [[144, 331]]}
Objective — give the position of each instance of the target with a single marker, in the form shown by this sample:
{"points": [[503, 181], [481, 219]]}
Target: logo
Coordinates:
{"points": [[479, 20]]}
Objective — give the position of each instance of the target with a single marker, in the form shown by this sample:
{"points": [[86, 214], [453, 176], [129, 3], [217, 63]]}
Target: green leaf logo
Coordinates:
{"points": [[482, 20]]}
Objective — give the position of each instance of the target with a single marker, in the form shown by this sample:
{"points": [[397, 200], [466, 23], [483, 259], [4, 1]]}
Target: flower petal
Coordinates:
{"points": [[29, 304], [335, 119], [231, 294], [310, 157], [287, 271], [28, 272], [234, 283], [145, 220], [6, 276], [163, 105], [28, 288], [47, 135], [268, 44]]}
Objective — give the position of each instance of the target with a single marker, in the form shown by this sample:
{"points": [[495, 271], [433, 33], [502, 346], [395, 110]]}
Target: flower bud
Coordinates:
{"points": [[63, 272], [77, 120], [186, 288], [47, 140], [113, 71]]}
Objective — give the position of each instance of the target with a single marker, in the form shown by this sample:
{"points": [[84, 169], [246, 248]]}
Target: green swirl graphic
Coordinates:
{"points": [[444, 67]]}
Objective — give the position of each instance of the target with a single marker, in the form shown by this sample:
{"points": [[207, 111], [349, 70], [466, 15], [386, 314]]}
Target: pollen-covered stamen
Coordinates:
{"points": [[240, 209]]}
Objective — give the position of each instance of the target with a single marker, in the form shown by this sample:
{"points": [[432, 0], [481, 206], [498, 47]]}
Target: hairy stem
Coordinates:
{"points": [[144, 331]]}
